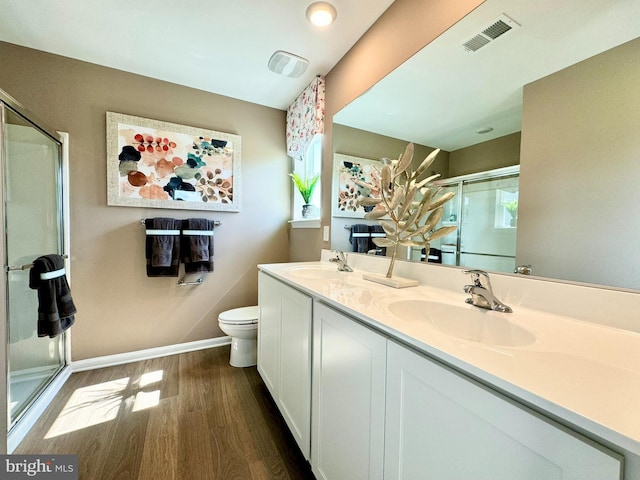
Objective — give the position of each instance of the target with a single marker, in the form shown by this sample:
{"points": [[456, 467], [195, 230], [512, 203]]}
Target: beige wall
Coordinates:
{"points": [[405, 28], [360, 143], [119, 308], [579, 212], [497, 153]]}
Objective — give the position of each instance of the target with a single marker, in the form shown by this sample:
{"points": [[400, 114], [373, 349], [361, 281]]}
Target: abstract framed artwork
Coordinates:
{"points": [[165, 165], [346, 170]]}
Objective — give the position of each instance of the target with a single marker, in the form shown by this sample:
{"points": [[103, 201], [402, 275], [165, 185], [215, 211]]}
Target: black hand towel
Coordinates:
{"points": [[435, 255], [56, 310], [359, 237], [162, 251], [197, 248]]}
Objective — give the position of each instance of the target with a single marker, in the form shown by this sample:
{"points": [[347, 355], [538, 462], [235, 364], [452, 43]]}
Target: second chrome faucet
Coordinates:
{"points": [[341, 260], [482, 293]]}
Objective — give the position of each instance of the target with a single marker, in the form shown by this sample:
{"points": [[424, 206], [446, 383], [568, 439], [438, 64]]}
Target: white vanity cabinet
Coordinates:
{"points": [[348, 400], [366, 400], [284, 355], [444, 426]]}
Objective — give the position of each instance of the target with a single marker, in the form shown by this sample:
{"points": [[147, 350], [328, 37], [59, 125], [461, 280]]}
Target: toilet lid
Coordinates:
{"points": [[240, 316]]}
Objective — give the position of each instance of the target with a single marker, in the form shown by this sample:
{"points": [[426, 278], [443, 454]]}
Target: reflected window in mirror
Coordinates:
{"points": [[308, 170], [506, 208]]}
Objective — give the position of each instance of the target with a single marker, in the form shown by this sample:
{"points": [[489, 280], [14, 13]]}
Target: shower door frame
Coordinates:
{"points": [[29, 415]]}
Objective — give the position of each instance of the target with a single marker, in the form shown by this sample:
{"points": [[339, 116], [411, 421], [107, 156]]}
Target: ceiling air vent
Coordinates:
{"points": [[287, 64], [497, 28]]}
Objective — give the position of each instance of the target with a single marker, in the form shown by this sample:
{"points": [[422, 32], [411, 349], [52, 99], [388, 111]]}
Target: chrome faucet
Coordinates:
{"points": [[482, 293], [523, 269], [341, 260]]}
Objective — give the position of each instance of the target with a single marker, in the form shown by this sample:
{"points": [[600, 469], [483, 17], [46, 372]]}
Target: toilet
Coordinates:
{"points": [[241, 324]]}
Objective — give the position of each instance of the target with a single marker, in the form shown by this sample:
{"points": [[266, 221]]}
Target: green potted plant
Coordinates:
{"points": [[512, 208], [306, 188]]}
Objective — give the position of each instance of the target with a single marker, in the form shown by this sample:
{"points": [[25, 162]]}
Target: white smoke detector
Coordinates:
{"points": [[287, 64]]}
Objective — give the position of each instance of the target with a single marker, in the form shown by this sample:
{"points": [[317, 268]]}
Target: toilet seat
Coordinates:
{"points": [[240, 316]]}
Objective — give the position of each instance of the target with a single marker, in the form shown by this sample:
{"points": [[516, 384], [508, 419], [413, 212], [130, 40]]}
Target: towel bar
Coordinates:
{"points": [[216, 223], [27, 265], [348, 227], [182, 283]]}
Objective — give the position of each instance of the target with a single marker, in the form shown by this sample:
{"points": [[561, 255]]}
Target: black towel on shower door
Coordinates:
{"points": [[56, 310], [162, 251]]}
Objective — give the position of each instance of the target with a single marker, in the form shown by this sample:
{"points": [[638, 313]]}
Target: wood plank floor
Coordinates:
{"points": [[189, 416]]}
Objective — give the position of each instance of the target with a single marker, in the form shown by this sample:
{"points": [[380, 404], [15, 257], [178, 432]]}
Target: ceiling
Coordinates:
{"points": [[443, 94], [220, 46]]}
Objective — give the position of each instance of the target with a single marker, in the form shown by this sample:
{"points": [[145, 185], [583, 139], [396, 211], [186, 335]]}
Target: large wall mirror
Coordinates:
{"points": [[559, 89]]}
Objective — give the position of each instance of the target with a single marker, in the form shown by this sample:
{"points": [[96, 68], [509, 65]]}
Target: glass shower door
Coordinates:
{"points": [[448, 245], [33, 227], [485, 212], [489, 224]]}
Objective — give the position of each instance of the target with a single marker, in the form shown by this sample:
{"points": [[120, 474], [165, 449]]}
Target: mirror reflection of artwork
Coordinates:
{"points": [[346, 171], [163, 165]]}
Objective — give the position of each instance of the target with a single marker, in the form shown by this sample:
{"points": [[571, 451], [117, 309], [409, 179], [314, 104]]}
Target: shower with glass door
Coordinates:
{"points": [[32, 225], [484, 211]]}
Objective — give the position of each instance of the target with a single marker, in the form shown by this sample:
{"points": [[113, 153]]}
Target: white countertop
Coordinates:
{"points": [[584, 373]]}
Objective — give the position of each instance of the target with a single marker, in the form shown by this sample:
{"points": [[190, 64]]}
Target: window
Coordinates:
{"points": [[506, 208], [307, 168]]}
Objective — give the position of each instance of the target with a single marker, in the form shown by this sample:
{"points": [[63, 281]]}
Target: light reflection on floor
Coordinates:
{"points": [[100, 403]]}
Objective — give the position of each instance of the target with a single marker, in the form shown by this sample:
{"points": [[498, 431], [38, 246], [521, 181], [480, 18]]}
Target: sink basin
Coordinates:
{"points": [[460, 321], [316, 272]]}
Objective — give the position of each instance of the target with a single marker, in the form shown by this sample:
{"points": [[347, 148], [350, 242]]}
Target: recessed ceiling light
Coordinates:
{"points": [[321, 14], [484, 130]]}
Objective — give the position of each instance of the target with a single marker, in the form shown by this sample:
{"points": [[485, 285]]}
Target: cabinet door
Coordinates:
{"points": [[441, 425], [284, 356], [269, 332], [294, 397], [348, 398]]}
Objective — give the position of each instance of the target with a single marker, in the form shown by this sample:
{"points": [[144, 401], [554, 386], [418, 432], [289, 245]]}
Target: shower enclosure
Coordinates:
{"points": [[32, 225], [485, 212]]}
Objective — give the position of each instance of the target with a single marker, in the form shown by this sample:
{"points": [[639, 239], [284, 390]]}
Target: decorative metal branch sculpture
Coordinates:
{"points": [[406, 200]]}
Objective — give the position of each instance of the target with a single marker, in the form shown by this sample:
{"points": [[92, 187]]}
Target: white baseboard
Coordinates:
{"points": [[20, 430], [128, 357]]}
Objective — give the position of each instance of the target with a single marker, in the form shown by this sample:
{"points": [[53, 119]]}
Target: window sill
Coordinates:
{"points": [[306, 223]]}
